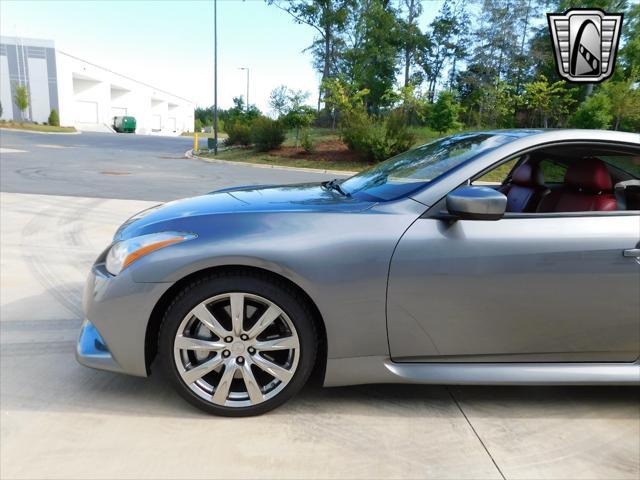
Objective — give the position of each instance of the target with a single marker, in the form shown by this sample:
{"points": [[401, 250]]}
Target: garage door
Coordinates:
{"points": [[171, 124], [86, 112], [156, 123], [118, 112]]}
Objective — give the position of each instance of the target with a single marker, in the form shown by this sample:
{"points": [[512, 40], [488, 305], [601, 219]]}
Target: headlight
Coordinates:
{"points": [[125, 252]]}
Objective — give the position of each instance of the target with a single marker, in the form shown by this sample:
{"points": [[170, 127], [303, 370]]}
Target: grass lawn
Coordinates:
{"points": [[33, 127], [266, 158]]}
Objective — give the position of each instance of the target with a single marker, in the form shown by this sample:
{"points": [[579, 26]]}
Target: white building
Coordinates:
{"points": [[86, 95]]}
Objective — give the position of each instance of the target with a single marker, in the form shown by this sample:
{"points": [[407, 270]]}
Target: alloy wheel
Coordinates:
{"points": [[236, 349]]}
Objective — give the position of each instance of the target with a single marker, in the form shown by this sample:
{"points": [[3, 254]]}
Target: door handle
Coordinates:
{"points": [[632, 252]]}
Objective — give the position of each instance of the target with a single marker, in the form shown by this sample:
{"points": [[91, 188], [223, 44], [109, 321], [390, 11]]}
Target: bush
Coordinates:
{"points": [[239, 133], [377, 139], [306, 141], [444, 113], [267, 134], [54, 119], [594, 112], [197, 125]]}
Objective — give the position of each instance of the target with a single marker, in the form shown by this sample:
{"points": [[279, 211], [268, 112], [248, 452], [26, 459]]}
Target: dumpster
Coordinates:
{"points": [[124, 124]]}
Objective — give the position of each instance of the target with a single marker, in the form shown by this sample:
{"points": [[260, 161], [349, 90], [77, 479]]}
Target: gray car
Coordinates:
{"points": [[501, 257]]}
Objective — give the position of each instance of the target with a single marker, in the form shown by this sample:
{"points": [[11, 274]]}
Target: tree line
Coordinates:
{"points": [[478, 64], [490, 61]]}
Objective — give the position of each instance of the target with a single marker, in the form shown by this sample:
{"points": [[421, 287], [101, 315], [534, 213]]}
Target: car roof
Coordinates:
{"points": [[552, 134]]}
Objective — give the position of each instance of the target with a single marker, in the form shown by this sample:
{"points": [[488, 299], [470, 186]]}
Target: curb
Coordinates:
{"points": [[189, 154], [77, 132]]}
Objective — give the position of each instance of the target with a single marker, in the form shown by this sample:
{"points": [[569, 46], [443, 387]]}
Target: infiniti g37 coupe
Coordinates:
{"points": [[502, 257]]}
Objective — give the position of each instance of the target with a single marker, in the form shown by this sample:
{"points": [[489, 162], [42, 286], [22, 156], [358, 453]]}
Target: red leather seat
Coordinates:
{"points": [[526, 189], [587, 188]]}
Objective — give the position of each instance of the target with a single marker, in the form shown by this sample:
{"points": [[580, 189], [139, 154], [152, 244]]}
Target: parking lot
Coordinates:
{"points": [[63, 197]]}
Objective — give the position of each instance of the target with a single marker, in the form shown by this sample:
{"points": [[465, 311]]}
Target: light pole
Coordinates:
{"points": [[215, 77], [247, 69]]}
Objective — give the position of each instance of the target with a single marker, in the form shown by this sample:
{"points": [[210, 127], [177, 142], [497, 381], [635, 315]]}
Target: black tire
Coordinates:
{"points": [[274, 290]]}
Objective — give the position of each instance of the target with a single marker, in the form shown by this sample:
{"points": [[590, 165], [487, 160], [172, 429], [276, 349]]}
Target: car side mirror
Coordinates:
{"points": [[476, 203]]}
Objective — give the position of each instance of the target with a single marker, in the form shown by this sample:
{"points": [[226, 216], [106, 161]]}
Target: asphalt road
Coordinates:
{"points": [[123, 166], [61, 420]]}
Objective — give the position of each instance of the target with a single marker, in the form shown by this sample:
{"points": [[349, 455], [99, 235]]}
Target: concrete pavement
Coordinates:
{"points": [[61, 420], [121, 166]]}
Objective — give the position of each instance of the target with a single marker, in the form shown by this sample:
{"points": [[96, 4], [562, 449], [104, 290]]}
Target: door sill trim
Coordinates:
{"points": [[378, 369]]}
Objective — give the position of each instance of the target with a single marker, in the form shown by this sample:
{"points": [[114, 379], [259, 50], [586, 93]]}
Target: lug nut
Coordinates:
{"points": [[226, 353], [240, 360], [228, 339], [244, 337], [251, 350]]}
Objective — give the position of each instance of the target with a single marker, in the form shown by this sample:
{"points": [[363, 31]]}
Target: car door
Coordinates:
{"points": [[525, 288]]}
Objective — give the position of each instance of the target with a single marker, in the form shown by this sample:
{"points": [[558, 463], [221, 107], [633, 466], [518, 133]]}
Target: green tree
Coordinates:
{"points": [[630, 52], [594, 112], [298, 114], [370, 59], [344, 100], [329, 19], [21, 98], [444, 114], [445, 44], [550, 103], [278, 100], [54, 119], [624, 97], [290, 108], [499, 100], [412, 38]]}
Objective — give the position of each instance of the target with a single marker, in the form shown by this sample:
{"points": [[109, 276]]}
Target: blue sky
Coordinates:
{"points": [[169, 44]]}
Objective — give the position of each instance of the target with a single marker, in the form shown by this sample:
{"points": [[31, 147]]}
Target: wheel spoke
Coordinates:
{"points": [[188, 343], [272, 369], [224, 385], [253, 389], [201, 370], [264, 321], [209, 344], [285, 343], [237, 312], [202, 313]]}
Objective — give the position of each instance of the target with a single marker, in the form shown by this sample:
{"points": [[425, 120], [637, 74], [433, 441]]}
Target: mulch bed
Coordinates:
{"points": [[332, 150]]}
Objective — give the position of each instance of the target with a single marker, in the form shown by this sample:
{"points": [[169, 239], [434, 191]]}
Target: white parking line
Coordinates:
{"points": [[49, 145], [11, 150]]}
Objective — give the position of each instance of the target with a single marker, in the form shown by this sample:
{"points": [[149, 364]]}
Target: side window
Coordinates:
{"points": [[627, 163], [553, 172], [498, 175]]}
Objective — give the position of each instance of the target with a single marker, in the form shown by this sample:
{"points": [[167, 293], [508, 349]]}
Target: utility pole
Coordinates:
{"points": [[247, 97], [215, 77]]}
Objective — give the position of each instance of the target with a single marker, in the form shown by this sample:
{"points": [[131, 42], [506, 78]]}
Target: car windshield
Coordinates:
{"points": [[405, 173]]}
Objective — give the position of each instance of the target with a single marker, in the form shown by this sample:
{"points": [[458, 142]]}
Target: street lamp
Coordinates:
{"points": [[215, 77], [247, 69]]}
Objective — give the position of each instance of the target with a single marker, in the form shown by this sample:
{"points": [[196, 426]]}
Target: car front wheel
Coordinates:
{"points": [[238, 345]]}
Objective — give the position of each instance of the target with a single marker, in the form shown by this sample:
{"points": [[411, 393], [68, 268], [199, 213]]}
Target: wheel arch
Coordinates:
{"points": [[155, 319]]}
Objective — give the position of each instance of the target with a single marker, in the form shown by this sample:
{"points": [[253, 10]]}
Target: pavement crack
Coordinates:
{"points": [[455, 400]]}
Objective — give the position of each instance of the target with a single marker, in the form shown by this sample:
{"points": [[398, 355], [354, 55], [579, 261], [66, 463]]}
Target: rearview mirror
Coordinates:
{"points": [[476, 203]]}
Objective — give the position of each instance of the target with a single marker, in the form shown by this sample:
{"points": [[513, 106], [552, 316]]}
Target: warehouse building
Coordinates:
{"points": [[85, 95]]}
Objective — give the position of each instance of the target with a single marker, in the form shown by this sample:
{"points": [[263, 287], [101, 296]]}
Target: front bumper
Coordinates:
{"points": [[117, 311], [92, 350]]}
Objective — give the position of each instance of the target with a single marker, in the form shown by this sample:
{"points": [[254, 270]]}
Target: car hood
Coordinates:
{"points": [[308, 197]]}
